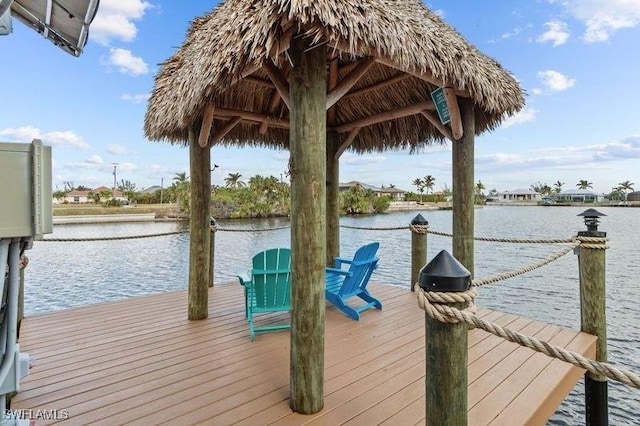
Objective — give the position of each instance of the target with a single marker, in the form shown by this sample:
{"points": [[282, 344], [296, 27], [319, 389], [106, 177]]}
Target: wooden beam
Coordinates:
{"points": [[349, 80], [259, 82], [377, 86], [278, 79], [273, 104], [207, 122], [222, 131], [386, 116], [423, 75], [255, 117], [333, 82], [454, 112], [437, 124], [347, 142]]}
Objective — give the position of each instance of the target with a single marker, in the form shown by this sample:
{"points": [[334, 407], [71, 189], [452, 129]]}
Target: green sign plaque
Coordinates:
{"points": [[441, 105]]}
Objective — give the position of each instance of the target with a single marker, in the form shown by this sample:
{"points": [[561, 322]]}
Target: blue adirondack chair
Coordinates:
{"points": [[267, 288], [342, 285]]}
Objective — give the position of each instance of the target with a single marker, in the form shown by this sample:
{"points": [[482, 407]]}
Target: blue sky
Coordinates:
{"points": [[577, 61]]}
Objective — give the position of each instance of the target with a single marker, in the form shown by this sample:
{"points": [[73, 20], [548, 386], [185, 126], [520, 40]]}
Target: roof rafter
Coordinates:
{"points": [[386, 116], [349, 80]]}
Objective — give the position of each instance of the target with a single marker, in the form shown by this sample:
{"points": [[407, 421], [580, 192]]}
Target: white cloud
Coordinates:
{"points": [[126, 62], [137, 98], [116, 20], [56, 138], [602, 18], [94, 159], [359, 160], [557, 33], [556, 81], [524, 116], [126, 167], [536, 91], [116, 149], [513, 33]]}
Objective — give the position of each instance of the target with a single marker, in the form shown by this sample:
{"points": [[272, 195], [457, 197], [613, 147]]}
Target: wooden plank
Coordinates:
{"points": [[140, 361]]}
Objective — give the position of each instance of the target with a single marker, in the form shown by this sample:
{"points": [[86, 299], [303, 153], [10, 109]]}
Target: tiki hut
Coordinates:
{"points": [[318, 77]]}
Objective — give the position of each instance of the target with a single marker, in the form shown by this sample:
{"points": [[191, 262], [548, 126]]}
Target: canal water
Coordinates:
{"points": [[65, 274]]}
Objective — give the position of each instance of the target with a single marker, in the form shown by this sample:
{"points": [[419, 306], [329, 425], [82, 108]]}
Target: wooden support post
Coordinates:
{"points": [[464, 187], [591, 261], [446, 347], [307, 141], [418, 247], [212, 249], [333, 176], [333, 197], [200, 165]]}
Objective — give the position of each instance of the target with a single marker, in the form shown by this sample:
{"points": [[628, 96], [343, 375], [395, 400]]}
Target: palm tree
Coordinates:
{"points": [[584, 184], [181, 188], [558, 186], [478, 189], [429, 181], [233, 181], [419, 185], [625, 187]]}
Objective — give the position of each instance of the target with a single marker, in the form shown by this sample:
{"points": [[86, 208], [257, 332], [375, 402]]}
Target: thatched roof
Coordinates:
{"points": [[410, 52]]}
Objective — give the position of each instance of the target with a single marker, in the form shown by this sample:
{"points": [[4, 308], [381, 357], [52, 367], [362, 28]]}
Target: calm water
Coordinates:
{"points": [[65, 274]]}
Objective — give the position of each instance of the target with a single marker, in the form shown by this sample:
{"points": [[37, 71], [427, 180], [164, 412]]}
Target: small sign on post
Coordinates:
{"points": [[440, 102]]}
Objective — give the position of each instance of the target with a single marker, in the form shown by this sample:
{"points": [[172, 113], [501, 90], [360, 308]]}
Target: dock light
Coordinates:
{"points": [[444, 273], [591, 219]]}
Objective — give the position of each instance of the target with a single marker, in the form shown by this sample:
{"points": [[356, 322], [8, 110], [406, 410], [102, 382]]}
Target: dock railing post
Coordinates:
{"points": [[212, 246], [593, 319], [446, 346], [418, 226]]}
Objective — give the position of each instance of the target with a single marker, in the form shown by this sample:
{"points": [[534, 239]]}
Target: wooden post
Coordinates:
{"points": [[333, 175], [418, 247], [200, 165], [593, 320], [212, 248], [463, 187], [333, 198], [307, 141], [446, 346]]}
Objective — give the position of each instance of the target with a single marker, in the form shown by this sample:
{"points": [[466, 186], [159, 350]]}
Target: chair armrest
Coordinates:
{"points": [[338, 261], [338, 271], [243, 277]]}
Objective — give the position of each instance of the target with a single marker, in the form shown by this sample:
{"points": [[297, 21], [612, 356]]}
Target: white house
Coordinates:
{"points": [[519, 196]]}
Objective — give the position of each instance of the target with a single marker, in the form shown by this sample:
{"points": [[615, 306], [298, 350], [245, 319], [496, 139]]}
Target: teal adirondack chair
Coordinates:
{"points": [[342, 285], [268, 288]]}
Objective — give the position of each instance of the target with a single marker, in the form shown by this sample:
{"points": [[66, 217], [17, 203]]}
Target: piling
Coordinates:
{"points": [[418, 226], [593, 319], [446, 346]]}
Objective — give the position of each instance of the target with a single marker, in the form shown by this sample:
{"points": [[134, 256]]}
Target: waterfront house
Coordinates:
{"points": [[396, 194], [578, 196], [519, 196]]}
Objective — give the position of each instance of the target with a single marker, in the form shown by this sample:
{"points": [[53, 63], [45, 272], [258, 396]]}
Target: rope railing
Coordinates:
{"points": [[514, 273], [129, 237], [434, 304]]}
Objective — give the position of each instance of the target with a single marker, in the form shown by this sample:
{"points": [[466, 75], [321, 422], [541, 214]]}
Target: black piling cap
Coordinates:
{"points": [[419, 220], [444, 273]]}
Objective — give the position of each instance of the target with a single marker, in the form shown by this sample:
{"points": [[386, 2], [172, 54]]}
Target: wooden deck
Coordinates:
{"points": [[140, 361]]}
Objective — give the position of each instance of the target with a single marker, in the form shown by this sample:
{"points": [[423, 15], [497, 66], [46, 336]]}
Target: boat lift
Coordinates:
{"points": [[25, 216]]}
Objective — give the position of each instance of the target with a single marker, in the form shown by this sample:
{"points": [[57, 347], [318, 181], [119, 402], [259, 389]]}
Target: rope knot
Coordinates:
{"points": [[435, 304], [419, 229], [597, 243]]}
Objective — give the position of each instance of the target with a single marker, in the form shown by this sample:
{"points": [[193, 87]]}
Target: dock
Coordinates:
{"points": [[141, 361]]}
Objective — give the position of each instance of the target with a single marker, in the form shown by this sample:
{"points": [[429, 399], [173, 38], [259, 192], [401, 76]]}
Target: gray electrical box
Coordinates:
{"points": [[25, 190]]}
